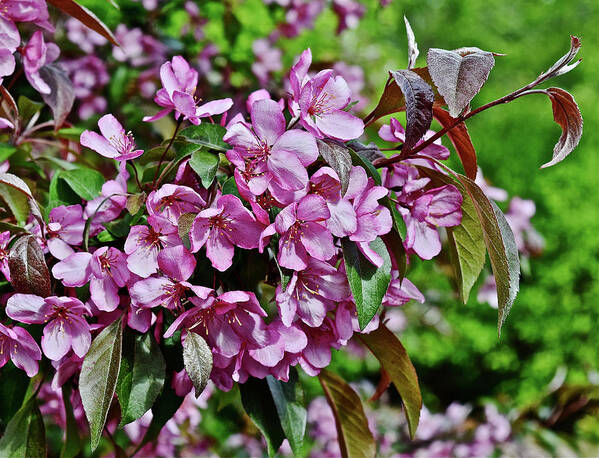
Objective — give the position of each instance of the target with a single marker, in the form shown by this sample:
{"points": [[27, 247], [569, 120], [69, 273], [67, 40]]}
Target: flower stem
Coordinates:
{"points": [[170, 143]]}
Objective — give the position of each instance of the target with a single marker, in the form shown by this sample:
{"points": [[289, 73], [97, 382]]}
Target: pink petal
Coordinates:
{"points": [[111, 128], [27, 308], [219, 250], [177, 262], [268, 120], [313, 208], [300, 143], [74, 270], [340, 125], [287, 170], [318, 241], [99, 144], [56, 342]]}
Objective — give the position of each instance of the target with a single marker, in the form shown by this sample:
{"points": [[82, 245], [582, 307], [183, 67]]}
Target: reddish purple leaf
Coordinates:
{"points": [[419, 97], [460, 138], [28, 270]]}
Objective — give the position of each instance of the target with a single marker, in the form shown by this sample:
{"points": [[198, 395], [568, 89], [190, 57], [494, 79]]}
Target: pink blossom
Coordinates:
{"points": [[321, 101], [65, 329], [268, 155], [303, 233], [177, 264], [114, 142], [401, 292], [36, 54], [18, 345], [311, 293], [373, 219], [268, 60], [7, 67], [65, 229], [317, 353], [436, 207], [171, 201], [222, 227], [88, 75], [179, 83], [145, 242], [349, 13], [111, 202], [137, 48], [83, 36], [4, 251]]}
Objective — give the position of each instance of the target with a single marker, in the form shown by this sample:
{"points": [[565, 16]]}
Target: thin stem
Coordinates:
{"points": [[463, 117], [170, 143], [136, 176]]}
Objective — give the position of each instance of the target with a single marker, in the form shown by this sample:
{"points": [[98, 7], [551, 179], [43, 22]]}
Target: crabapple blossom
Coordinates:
{"points": [[65, 229], [303, 233], [266, 154], [223, 226], [36, 54], [320, 102], [65, 328], [18, 345], [179, 83], [114, 142]]}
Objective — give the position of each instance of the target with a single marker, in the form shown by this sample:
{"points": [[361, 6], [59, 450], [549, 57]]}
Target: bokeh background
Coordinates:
{"points": [[550, 339]]}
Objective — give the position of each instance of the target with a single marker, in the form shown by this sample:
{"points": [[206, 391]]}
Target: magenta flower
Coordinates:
{"points": [[311, 293], [349, 13], [7, 67], [65, 228], [177, 264], [317, 353], [114, 142], [179, 83], [109, 273], [171, 201], [227, 322], [83, 36], [65, 329], [268, 153], [373, 219], [303, 233], [36, 54], [325, 183], [105, 270], [436, 207], [18, 345], [222, 227], [321, 101], [4, 251], [401, 292], [145, 242], [110, 203]]}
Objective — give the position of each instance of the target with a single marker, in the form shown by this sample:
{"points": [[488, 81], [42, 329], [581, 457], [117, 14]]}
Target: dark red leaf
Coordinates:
{"points": [[85, 16], [460, 138], [28, 270], [419, 97], [567, 114], [62, 96]]}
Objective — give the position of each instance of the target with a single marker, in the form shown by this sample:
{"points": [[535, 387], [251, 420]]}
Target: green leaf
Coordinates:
{"points": [[197, 358], [230, 187], [467, 248], [13, 386], [260, 407], [141, 376], [6, 151], [395, 360], [16, 194], [209, 135], [72, 444], [25, 434], [501, 246], [27, 108], [70, 133], [367, 282], [353, 433], [87, 183], [205, 164], [289, 402], [99, 375], [466, 241], [28, 270]]}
